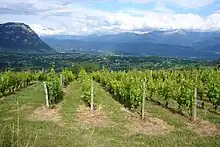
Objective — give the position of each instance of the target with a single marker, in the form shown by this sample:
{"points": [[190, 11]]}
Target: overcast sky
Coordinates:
{"points": [[48, 17]]}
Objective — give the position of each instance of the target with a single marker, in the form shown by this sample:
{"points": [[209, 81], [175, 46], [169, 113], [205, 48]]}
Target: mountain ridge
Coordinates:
{"points": [[161, 43], [19, 37], [181, 37]]}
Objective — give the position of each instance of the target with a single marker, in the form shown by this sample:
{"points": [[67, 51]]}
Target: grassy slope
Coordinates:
{"points": [[75, 133]]}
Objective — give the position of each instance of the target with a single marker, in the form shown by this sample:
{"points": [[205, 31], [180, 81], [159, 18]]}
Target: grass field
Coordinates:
{"points": [[111, 125]]}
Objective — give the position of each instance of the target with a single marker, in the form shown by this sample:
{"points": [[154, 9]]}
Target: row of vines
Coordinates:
{"points": [[12, 81], [178, 86], [87, 88], [55, 82]]}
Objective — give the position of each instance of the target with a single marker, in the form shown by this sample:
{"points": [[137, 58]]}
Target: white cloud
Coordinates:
{"points": [[190, 3], [161, 7], [47, 31], [136, 1], [180, 3], [52, 17]]}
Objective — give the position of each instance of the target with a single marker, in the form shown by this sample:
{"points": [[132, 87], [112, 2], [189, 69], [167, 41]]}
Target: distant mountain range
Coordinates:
{"points": [[160, 43], [20, 38]]}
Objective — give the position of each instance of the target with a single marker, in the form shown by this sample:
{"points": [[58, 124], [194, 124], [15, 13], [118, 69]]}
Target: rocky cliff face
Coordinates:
{"points": [[19, 37]]}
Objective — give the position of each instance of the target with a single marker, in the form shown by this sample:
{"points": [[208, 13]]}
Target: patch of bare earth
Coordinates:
{"points": [[65, 90], [96, 118], [204, 128], [44, 114], [148, 126]]}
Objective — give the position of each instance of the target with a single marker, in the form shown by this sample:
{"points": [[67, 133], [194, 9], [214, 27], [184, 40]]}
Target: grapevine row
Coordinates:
{"points": [[54, 82], [178, 86], [87, 88], [12, 81]]}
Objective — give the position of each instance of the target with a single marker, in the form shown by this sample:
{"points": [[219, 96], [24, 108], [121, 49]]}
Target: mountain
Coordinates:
{"points": [[20, 38], [206, 43], [174, 37], [161, 43]]}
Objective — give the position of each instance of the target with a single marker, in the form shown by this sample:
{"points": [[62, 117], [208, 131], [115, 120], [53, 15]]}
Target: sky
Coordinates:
{"points": [[82, 17]]}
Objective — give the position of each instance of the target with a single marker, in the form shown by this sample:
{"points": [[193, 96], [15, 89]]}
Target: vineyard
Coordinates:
{"points": [[12, 81], [54, 83], [118, 104], [186, 88], [87, 88], [179, 86]]}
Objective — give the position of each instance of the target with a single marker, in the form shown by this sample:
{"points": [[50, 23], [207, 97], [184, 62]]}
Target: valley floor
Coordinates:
{"points": [[27, 123]]}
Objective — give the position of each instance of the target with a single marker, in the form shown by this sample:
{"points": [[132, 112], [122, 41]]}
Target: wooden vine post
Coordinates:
{"points": [[143, 99], [92, 97], [61, 80], [18, 125], [46, 95], [195, 101]]}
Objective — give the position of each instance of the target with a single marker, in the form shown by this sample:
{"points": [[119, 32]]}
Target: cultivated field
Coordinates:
{"points": [[24, 121]]}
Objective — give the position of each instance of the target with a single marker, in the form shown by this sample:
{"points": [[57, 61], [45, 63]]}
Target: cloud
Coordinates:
{"points": [[180, 3], [65, 17], [17, 7], [30, 7], [47, 31], [161, 7], [136, 1], [190, 3]]}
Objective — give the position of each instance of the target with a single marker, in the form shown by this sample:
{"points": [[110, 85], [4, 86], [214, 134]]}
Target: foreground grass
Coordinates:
{"points": [[69, 131]]}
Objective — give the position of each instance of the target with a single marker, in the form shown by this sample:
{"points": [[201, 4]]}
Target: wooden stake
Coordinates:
{"points": [[18, 125], [46, 94], [195, 101], [143, 99], [92, 97], [61, 80]]}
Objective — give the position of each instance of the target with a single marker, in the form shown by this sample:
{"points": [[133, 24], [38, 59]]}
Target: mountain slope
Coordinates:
{"points": [[173, 37], [19, 37], [159, 43]]}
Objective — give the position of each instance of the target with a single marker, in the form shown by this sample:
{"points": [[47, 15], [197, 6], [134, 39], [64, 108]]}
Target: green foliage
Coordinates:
{"points": [[41, 76], [53, 86], [214, 89], [166, 89], [11, 81], [125, 86], [86, 81], [67, 76], [87, 66], [177, 85]]}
